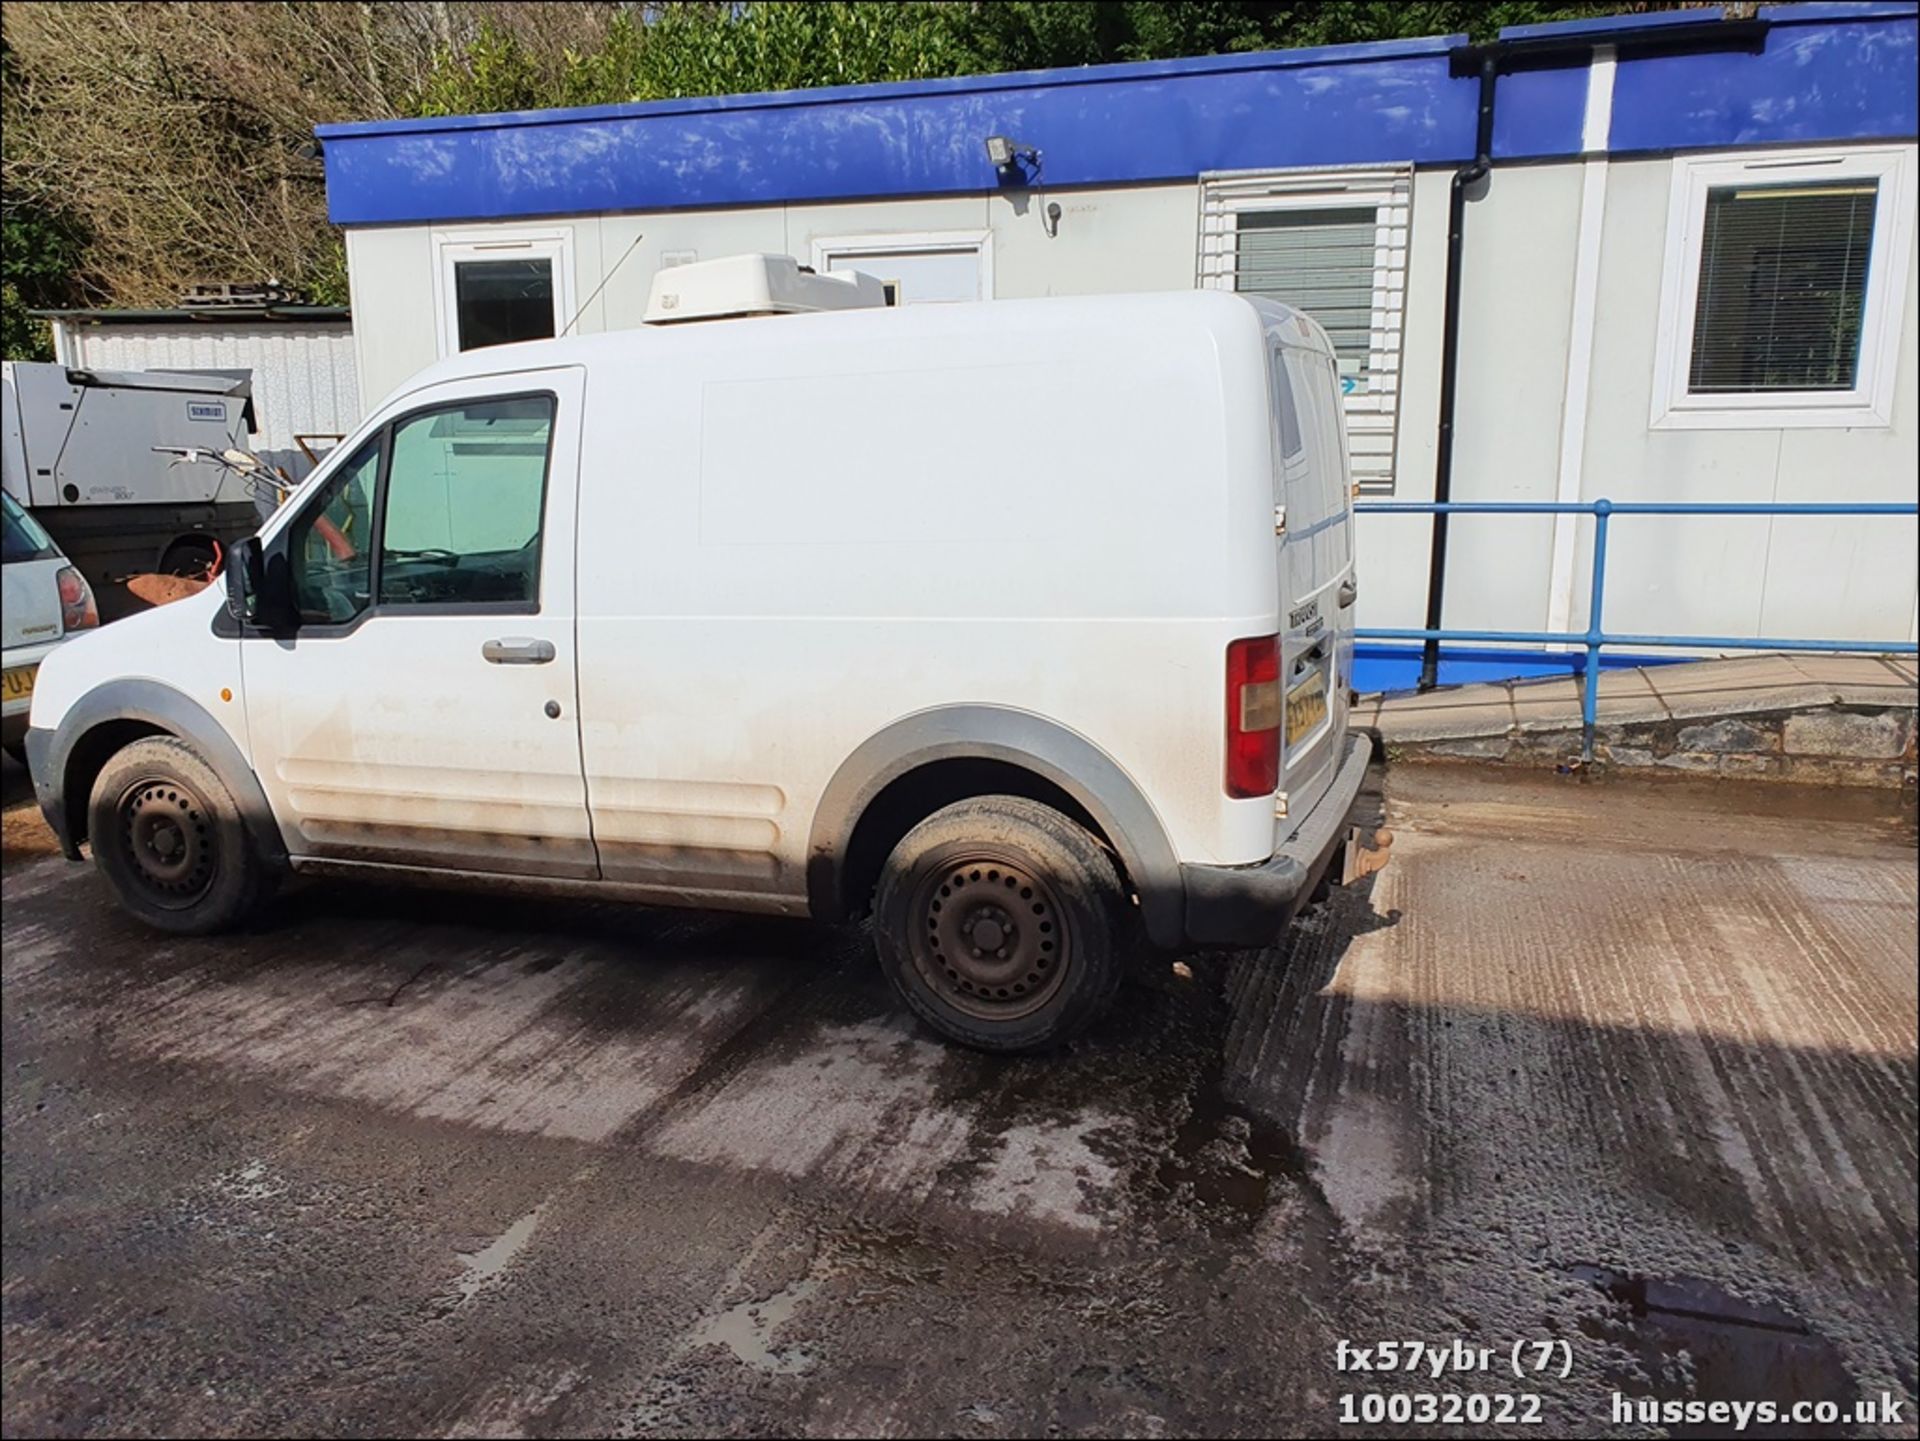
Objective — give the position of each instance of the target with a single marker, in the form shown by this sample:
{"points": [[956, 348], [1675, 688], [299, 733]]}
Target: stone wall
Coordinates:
{"points": [[1832, 745]]}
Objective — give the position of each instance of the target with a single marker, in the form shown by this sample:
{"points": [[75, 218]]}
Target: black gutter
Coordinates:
{"points": [[1488, 62]]}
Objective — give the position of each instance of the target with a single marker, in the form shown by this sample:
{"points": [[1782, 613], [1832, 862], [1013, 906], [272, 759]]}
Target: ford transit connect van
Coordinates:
{"points": [[1022, 626]]}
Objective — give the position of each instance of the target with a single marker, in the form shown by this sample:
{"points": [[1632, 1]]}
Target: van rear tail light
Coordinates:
{"points": [[1253, 716], [77, 610]]}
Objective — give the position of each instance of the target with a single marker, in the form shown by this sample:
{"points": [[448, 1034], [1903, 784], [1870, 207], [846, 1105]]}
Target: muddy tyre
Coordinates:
{"points": [[170, 841], [1003, 924]]}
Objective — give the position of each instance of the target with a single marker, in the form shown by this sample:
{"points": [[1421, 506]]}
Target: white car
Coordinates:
{"points": [[1024, 626], [45, 600]]}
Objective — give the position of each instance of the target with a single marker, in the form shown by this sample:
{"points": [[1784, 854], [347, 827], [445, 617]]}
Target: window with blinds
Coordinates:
{"points": [[1321, 261], [1334, 244], [1783, 288], [1783, 284]]}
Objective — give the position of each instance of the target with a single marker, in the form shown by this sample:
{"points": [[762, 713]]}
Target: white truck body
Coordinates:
{"points": [[77, 450]]}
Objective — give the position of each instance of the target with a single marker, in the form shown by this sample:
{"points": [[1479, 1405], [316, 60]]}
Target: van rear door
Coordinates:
{"points": [[1313, 531]]}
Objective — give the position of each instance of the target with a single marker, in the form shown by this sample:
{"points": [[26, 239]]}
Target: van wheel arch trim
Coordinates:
{"points": [[157, 704], [1050, 751]]}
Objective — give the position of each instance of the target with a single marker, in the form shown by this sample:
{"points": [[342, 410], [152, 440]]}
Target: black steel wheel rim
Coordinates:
{"points": [[167, 837], [989, 937]]}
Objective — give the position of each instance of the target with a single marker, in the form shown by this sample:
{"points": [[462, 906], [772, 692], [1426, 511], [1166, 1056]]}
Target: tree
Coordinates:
{"points": [[40, 249], [178, 137], [39, 262]]}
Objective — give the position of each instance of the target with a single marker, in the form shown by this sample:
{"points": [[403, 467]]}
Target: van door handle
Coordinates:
{"points": [[516, 650], [1348, 592]]}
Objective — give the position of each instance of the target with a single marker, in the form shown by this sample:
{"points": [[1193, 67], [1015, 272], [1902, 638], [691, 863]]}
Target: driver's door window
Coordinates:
{"points": [[466, 487], [330, 545]]}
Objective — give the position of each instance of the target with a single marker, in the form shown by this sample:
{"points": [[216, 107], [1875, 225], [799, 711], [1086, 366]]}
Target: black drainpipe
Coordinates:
{"points": [[1470, 174], [1488, 61]]}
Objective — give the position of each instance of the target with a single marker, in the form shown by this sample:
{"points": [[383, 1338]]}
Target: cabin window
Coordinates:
{"points": [[915, 267], [1319, 259], [497, 302], [1783, 290], [1333, 244], [496, 289]]}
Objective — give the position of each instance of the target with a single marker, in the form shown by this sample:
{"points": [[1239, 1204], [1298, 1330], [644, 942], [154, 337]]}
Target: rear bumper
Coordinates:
{"points": [[1251, 905]]}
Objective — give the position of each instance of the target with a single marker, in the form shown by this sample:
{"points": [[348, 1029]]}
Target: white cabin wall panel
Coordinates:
{"points": [[1665, 575], [1515, 322], [591, 263], [390, 269], [1107, 241], [940, 216], [1851, 577], [1719, 575], [1739, 576], [809, 222], [634, 247]]}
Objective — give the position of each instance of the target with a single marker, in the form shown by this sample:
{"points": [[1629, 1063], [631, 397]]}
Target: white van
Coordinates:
{"points": [[1024, 626]]}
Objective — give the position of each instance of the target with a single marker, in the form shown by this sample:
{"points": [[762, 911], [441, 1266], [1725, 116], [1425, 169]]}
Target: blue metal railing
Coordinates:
{"points": [[1596, 636]]}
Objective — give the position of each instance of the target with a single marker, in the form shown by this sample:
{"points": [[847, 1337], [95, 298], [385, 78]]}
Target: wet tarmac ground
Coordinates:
{"points": [[1629, 1068]]}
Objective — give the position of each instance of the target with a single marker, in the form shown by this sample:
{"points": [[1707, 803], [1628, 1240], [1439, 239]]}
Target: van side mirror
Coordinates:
{"points": [[243, 558], [259, 586]]}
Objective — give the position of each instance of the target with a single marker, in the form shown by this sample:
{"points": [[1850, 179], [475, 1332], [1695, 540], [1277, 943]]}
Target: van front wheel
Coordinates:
{"points": [[169, 839], [1002, 924]]}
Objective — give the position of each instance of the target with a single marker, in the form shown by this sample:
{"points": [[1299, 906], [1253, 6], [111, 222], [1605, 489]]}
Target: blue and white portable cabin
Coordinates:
{"points": [[1688, 275]]}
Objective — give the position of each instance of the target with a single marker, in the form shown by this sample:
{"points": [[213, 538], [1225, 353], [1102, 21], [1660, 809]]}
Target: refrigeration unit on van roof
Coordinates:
{"points": [[741, 285]]}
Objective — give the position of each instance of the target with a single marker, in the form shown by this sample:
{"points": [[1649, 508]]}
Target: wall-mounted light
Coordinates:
{"points": [[1006, 153]]}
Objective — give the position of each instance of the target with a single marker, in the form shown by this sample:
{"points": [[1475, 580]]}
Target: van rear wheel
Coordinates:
{"points": [[1003, 924], [170, 841]]}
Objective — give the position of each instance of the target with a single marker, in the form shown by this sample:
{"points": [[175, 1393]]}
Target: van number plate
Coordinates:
{"points": [[1307, 705], [17, 684]]}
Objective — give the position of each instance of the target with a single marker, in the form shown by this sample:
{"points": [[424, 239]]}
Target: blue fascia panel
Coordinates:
{"points": [[1817, 12], [1813, 83], [1840, 71], [1104, 125], [1539, 113]]}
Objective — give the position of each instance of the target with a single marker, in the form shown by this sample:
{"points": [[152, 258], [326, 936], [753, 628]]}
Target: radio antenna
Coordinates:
{"points": [[603, 284]]}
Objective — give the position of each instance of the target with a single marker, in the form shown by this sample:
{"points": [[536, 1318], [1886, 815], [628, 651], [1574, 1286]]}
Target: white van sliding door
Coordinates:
{"points": [[1334, 244]]}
